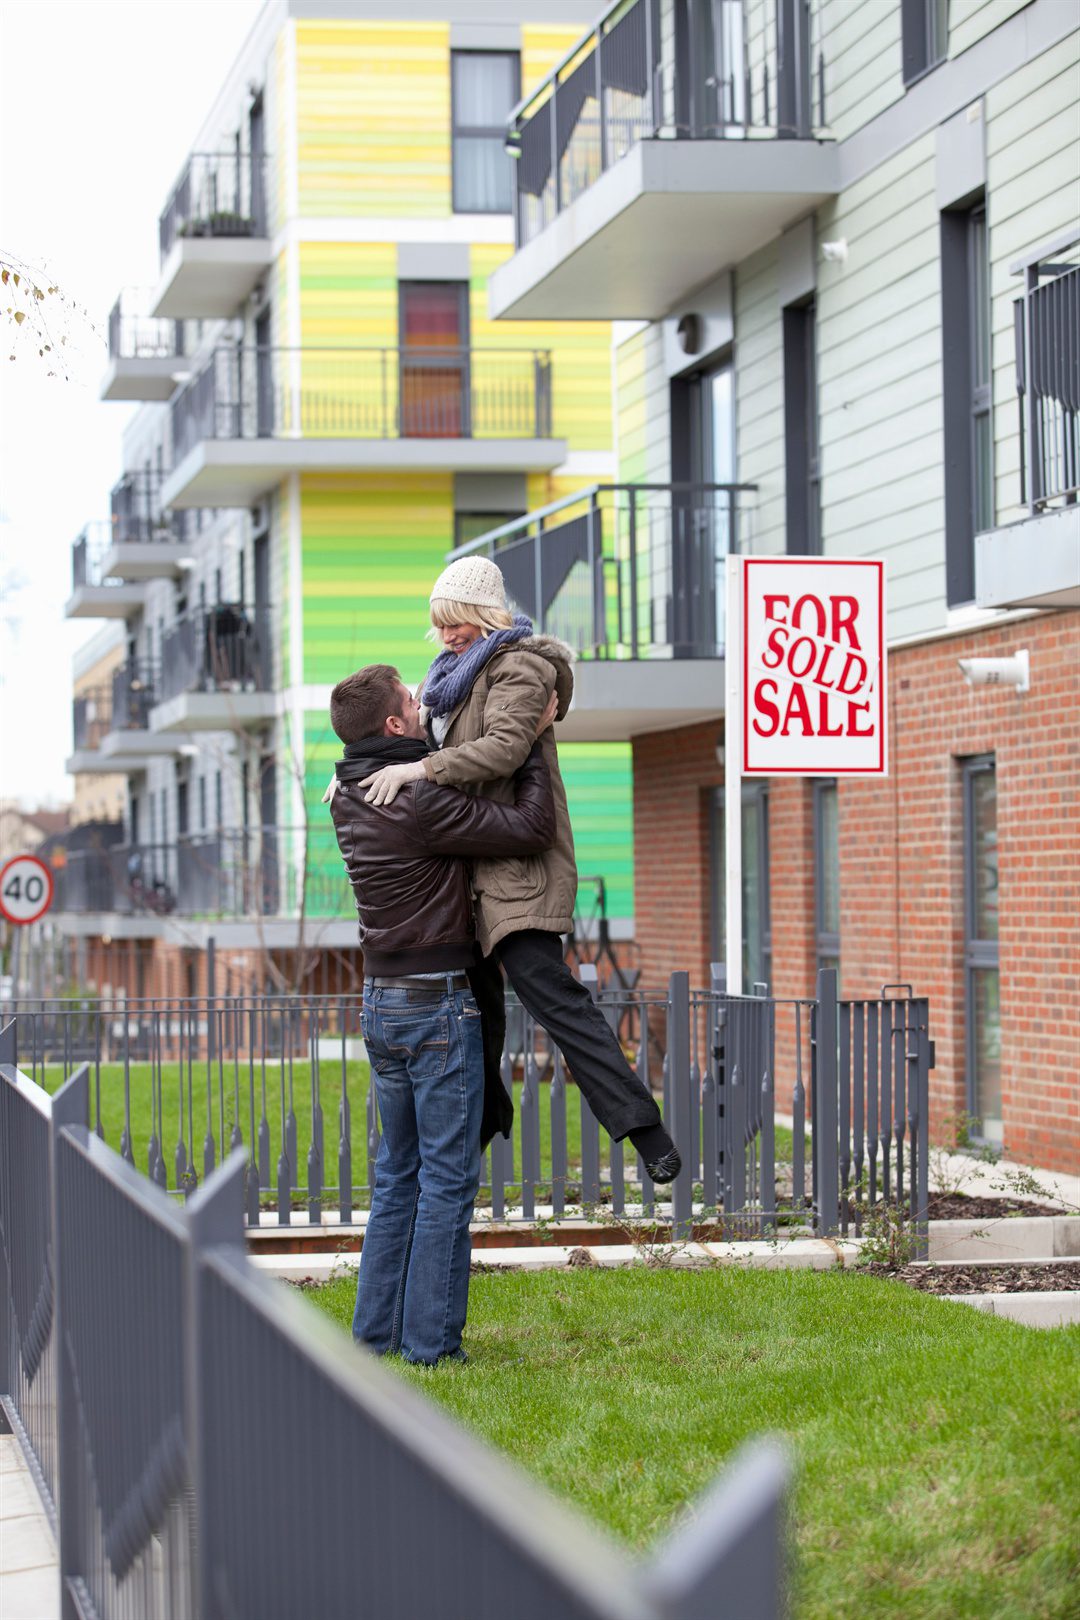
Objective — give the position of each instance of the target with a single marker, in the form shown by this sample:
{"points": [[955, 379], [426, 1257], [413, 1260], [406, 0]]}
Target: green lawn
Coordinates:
{"points": [[937, 1448], [358, 1080]]}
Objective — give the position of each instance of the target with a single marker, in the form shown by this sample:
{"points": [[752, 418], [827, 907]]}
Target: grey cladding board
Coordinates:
{"points": [[490, 492], [485, 36], [961, 156], [433, 261], [797, 266]]}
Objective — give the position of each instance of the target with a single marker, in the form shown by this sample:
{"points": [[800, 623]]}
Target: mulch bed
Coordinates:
{"points": [[971, 1207], [1055, 1276]]}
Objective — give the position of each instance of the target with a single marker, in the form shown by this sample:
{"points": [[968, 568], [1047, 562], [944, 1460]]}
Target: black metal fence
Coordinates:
{"points": [[135, 334], [175, 1084], [440, 393], [695, 72], [626, 570], [137, 516], [218, 194], [88, 553], [1047, 338], [208, 1446], [224, 648]]}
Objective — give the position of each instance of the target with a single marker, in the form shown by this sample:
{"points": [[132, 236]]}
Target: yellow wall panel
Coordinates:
{"points": [[373, 118], [581, 357], [541, 48]]}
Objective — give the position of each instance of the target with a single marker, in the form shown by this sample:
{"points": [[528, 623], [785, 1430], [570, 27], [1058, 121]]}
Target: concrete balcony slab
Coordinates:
{"points": [[1033, 563], [105, 601], [663, 220], [213, 711], [148, 380], [239, 472], [205, 278], [136, 562], [615, 700]]}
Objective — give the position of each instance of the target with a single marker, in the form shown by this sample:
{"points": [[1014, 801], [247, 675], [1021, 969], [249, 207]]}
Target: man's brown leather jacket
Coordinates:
{"points": [[408, 861]]}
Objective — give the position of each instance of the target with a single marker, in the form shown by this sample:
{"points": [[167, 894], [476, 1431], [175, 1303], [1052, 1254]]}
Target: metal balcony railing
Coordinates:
{"points": [[1047, 335], [88, 553], [698, 74], [137, 515], [218, 194], [224, 648], [135, 334], [626, 570], [436, 393], [232, 873], [134, 693], [91, 717]]}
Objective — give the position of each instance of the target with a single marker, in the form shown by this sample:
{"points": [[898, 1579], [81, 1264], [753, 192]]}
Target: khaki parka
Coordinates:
{"points": [[488, 738]]}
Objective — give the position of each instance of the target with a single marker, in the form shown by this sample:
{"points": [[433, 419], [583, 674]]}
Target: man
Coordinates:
{"points": [[422, 1027]]}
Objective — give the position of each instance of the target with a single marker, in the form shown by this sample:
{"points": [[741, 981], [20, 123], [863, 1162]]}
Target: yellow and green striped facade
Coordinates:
{"points": [[361, 118]]}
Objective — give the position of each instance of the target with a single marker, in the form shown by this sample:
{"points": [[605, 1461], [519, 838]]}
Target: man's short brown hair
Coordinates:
{"points": [[361, 704]]}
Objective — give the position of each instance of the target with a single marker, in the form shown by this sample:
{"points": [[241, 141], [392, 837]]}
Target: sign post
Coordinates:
{"points": [[806, 678]]}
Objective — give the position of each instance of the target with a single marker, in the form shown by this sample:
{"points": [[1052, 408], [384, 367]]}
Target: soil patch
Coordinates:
{"points": [[1054, 1277], [972, 1207]]}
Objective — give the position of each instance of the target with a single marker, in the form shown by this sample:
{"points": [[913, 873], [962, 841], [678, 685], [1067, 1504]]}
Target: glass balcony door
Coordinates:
{"points": [[434, 328]]}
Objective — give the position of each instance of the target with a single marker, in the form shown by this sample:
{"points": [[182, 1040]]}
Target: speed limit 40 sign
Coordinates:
{"points": [[26, 889]]}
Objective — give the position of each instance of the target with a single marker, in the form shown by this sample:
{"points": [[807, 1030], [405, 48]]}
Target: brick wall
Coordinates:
{"points": [[902, 868]]}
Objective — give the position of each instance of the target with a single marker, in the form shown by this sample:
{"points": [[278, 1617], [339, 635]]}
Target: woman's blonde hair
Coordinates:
{"points": [[445, 614]]}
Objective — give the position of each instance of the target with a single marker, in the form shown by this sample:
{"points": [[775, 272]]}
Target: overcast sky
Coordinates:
{"points": [[99, 106]]}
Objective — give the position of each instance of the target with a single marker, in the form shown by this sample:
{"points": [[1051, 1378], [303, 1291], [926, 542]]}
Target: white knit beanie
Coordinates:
{"points": [[475, 580]]}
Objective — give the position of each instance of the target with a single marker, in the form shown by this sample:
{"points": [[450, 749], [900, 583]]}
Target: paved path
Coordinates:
{"points": [[29, 1586]]}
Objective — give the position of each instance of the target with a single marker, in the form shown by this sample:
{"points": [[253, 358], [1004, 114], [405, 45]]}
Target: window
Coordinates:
{"points": [[688, 598], [485, 87], [756, 924], [981, 987], [803, 481], [969, 471], [924, 26], [827, 874], [202, 803]]}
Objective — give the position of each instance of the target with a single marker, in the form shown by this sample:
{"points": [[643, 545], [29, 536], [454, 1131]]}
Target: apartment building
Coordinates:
{"points": [[326, 408], [839, 242]]}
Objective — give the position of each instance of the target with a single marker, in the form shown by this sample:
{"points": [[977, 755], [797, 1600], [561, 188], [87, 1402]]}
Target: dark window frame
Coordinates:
{"points": [[755, 796], [479, 131], [966, 390], [980, 955], [826, 941], [924, 37], [802, 444]]}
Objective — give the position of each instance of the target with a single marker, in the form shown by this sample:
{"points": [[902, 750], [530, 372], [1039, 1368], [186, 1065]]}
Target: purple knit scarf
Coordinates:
{"points": [[449, 680]]}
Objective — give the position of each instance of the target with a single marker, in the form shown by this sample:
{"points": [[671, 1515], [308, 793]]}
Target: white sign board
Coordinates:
{"points": [[26, 889], [805, 662], [813, 667]]}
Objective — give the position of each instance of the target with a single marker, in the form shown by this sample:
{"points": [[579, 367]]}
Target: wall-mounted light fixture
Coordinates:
{"points": [[1014, 671], [835, 252]]}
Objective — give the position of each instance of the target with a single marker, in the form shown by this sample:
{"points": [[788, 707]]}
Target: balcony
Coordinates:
{"points": [[216, 671], [656, 155], [145, 354], [1036, 561], [255, 875], [212, 236], [95, 594], [254, 416], [146, 542], [633, 577], [111, 724]]}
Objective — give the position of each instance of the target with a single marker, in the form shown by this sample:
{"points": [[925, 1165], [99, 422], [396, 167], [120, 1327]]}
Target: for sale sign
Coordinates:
{"points": [[814, 670], [26, 889]]}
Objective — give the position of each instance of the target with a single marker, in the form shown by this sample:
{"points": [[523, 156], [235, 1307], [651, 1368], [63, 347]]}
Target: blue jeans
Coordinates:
{"points": [[427, 1066]]}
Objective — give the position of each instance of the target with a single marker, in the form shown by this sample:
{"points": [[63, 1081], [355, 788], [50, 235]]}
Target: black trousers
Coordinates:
{"points": [[560, 1004]]}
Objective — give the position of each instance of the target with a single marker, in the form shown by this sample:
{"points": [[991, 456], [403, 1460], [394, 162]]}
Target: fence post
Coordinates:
{"points": [[681, 1124], [70, 1106], [826, 1122], [215, 1219], [590, 1129], [729, 1559]]}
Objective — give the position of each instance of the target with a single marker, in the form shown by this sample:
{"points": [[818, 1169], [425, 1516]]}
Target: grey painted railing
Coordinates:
{"points": [[691, 73], [135, 334], [219, 194], [217, 1449], [224, 648], [278, 1075], [411, 393], [1047, 347], [625, 570]]}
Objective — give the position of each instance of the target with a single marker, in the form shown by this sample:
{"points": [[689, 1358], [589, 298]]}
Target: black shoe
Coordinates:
{"points": [[666, 1167]]}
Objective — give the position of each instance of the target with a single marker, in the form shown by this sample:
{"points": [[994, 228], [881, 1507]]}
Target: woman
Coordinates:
{"points": [[484, 697]]}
